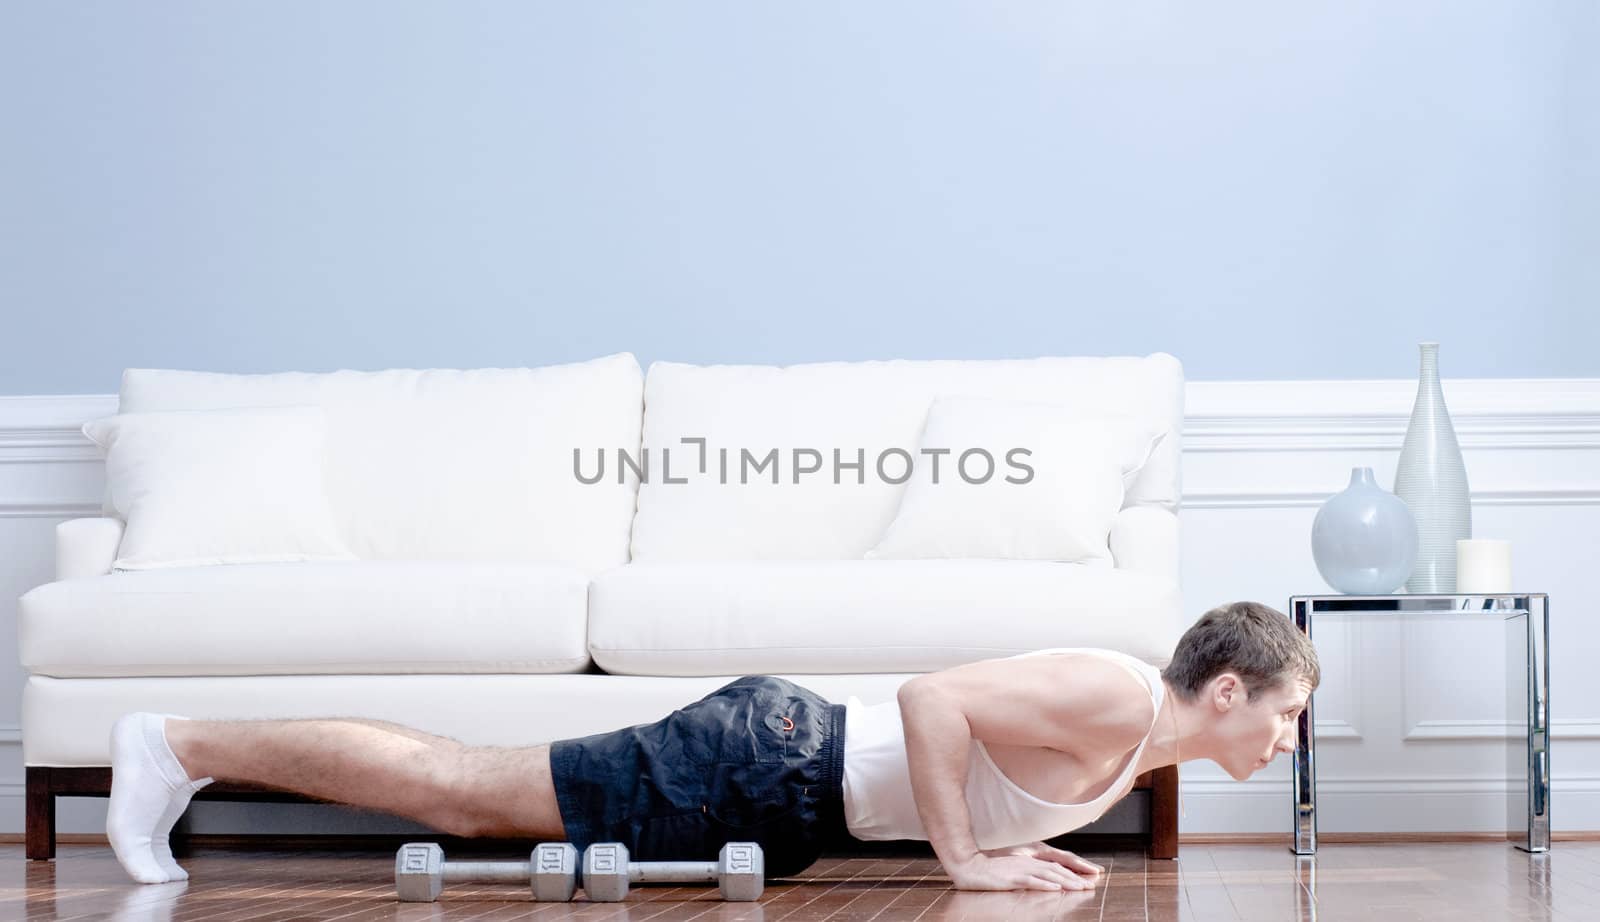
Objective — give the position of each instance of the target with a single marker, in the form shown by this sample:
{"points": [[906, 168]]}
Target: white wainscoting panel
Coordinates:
{"points": [[1411, 727]]}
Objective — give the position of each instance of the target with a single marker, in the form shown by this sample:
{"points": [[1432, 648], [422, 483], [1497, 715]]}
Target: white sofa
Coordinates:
{"points": [[499, 600]]}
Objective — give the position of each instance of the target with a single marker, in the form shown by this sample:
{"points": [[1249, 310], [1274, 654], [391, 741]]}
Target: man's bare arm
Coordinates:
{"points": [[1082, 703], [937, 740]]}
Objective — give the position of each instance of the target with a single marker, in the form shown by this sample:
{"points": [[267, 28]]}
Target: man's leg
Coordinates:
{"points": [[457, 789], [403, 730]]}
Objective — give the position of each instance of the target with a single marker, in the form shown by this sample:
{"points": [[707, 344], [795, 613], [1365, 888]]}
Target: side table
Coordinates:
{"points": [[1527, 639]]}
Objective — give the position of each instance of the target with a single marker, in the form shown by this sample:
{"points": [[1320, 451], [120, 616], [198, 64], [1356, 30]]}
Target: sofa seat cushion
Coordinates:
{"points": [[868, 616], [310, 618]]}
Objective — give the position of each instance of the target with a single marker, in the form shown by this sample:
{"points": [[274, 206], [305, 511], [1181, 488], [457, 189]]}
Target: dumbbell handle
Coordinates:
{"points": [[671, 872], [508, 872]]}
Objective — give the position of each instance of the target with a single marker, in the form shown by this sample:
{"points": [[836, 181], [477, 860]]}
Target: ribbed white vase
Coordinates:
{"points": [[1432, 479]]}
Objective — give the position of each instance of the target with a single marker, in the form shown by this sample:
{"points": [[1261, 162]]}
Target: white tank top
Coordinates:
{"points": [[877, 780]]}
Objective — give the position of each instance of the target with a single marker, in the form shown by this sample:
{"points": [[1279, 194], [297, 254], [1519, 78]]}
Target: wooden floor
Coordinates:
{"points": [[1370, 883]]}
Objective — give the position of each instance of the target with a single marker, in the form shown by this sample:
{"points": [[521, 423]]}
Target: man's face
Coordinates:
{"points": [[1256, 731]]}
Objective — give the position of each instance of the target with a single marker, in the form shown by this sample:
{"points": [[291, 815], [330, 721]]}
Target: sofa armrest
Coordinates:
{"points": [[87, 547], [1145, 538]]}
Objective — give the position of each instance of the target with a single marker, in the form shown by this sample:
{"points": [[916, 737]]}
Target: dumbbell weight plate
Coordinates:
{"points": [[555, 872], [605, 872], [741, 871], [419, 872]]}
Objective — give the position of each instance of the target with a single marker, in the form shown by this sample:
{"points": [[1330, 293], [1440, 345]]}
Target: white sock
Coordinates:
{"points": [[149, 791], [160, 843]]}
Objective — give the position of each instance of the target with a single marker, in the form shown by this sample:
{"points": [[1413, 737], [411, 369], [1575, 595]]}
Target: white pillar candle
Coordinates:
{"points": [[1483, 566]]}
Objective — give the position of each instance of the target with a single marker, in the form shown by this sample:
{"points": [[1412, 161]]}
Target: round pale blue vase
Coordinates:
{"points": [[1364, 539]]}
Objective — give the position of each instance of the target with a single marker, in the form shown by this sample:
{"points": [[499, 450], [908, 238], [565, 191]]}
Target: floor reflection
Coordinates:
{"points": [[1306, 894], [1209, 883], [148, 902]]}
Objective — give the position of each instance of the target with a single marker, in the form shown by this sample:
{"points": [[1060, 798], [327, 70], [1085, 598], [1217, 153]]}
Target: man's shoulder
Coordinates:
{"points": [[1113, 704], [1065, 702]]}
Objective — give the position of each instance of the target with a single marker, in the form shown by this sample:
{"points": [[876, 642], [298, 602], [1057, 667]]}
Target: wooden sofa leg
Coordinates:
{"points": [[41, 822], [1164, 813]]}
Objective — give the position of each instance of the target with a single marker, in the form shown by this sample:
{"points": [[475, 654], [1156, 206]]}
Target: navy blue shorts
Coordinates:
{"points": [[758, 760]]}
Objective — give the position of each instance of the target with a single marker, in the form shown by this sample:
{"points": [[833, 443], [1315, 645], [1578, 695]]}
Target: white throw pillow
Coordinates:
{"points": [[1062, 510], [199, 487]]}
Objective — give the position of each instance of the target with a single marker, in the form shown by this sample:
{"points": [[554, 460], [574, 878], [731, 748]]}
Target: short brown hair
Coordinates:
{"points": [[1255, 641]]}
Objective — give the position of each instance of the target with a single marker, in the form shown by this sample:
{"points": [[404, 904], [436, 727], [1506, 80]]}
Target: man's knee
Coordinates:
{"points": [[501, 792], [444, 799], [453, 821]]}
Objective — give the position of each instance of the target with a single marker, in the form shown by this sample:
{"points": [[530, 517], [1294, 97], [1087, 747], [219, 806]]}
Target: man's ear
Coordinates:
{"points": [[1227, 691]]}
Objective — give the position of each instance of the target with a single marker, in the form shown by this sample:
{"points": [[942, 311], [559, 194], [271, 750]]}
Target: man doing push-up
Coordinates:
{"points": [[984, 760]]}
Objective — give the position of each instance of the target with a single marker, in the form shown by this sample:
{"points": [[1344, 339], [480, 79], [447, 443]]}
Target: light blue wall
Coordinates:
{"points": [[1267, 190]]}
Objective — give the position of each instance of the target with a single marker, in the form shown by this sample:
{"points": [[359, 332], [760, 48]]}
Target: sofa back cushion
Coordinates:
{"points": [[732, 510], [446, 464]]}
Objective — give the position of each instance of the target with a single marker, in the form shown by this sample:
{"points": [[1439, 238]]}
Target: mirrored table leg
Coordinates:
{"points": [[1528, 762], [1305, 765]]}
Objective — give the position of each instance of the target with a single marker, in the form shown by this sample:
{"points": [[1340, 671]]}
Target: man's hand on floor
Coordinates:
{"points": [[1034, 866], [1050, 853]]}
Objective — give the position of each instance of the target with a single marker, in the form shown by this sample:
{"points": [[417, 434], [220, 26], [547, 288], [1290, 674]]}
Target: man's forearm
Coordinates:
{"points": [[938, 743]]}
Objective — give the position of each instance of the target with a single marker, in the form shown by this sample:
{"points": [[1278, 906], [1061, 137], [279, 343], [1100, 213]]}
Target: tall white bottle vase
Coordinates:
{"points": [[1432, 479]]}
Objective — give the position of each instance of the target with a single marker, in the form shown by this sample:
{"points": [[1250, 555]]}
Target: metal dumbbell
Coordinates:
{"points": [[739, 871], [420, 872]]}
